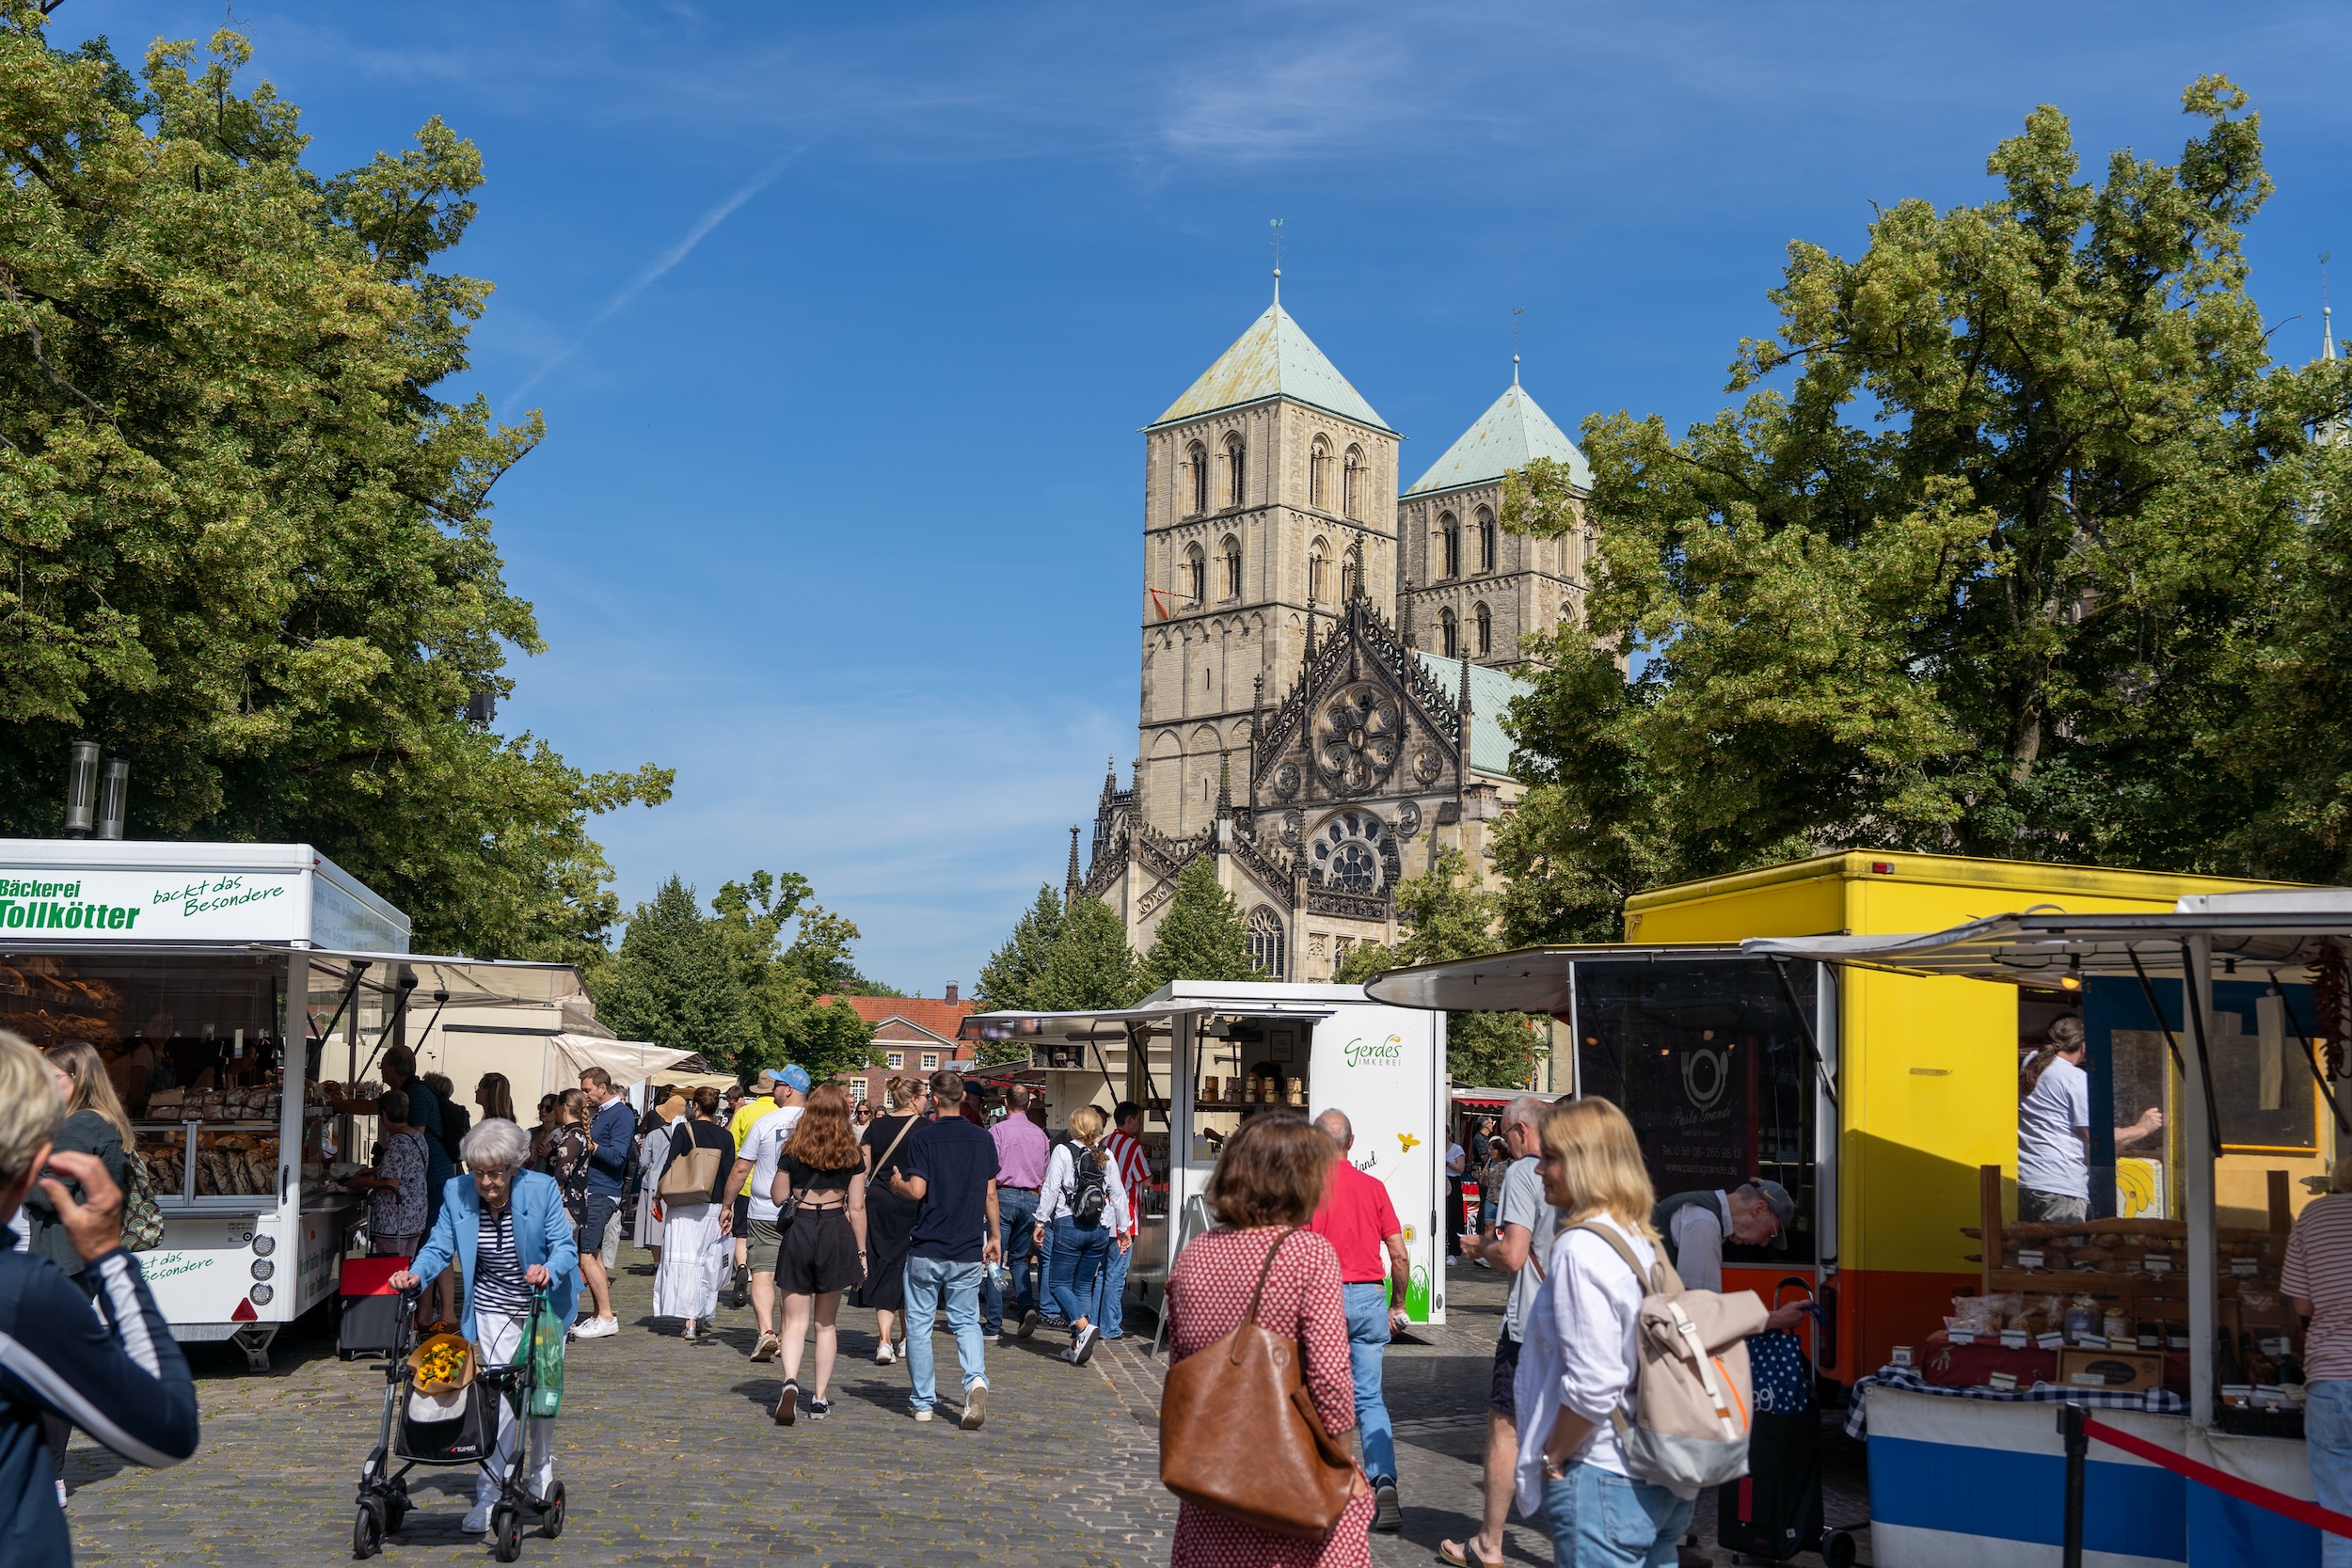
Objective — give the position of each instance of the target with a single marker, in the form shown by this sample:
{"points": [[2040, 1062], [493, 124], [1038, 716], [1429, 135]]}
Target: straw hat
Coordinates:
{"points": [[672, 1108]]}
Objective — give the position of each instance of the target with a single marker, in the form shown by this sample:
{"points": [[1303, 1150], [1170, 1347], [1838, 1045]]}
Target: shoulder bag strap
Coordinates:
{"points": [[882, 1163], [1259, 1295], [1617, 1244]]}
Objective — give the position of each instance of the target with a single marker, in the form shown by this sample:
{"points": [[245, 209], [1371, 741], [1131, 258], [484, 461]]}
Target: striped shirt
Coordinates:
{"points": [[1134, 1172], [498, 1285], [2319, 1270]]}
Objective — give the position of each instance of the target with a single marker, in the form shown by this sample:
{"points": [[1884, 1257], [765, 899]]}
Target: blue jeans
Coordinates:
{"points": [[2327, 1444], [1017, 1210], [1110, 1302], [1600, 1519], [930, 1279], [1077, 1262], [1367, 1342]]}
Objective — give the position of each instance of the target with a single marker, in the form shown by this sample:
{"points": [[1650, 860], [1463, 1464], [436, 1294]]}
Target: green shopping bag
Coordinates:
{"points": [[542, 1344]]}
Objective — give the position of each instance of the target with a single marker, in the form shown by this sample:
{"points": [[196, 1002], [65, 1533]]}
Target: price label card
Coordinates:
{"points": [[2013, 1339], [2005, 1381], [2030, 1260], [1902, 1355], [2244, 1267], [2049, 1341], [1962, 1336], [2157, 1262], [2151, 1342], [2091, 1341], [2088, 1380], [2177, 1342]]}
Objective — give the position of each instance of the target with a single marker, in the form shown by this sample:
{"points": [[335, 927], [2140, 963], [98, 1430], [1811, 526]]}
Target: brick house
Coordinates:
{"points": [[913, 1034]]}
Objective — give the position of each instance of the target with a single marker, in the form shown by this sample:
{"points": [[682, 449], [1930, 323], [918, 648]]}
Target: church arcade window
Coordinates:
{"points": [[1236, 470], [1450, 545], [1232, 550], [1195, 582], [1318, 473], [1317, 553], [1483, 621], [1199, 458], [1449, 634], [1485, 540], [1265, 940], [1352, 483]]}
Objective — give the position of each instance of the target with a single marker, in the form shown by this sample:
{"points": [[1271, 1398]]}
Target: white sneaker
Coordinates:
{"points": [[597, 1328], [925, 1415], [975, 1408], [478, 1522], [885, 1356]]}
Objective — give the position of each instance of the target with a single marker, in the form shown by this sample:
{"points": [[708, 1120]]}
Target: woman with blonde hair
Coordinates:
{"points": [[1269, 1179], [1578, 1357], [824, 1248], [1083, 1206], [94, 1124], [889, 1219]]}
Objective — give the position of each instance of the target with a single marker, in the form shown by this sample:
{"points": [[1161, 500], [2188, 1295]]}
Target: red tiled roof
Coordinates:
{"points": [[940, 1017]]}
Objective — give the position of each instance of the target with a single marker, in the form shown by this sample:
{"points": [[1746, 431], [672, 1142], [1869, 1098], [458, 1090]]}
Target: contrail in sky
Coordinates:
{"points": [[660, 265]]}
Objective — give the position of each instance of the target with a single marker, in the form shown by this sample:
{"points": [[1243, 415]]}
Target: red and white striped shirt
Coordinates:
{"points": [[2319, 1270], [1134, 1172]]}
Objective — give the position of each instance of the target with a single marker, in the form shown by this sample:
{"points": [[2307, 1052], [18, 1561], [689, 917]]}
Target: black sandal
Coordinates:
{"points": [[788, 1406]]}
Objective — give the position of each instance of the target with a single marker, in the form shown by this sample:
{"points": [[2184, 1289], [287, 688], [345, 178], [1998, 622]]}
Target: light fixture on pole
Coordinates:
{"points": [[81, 790], [114, 797]]}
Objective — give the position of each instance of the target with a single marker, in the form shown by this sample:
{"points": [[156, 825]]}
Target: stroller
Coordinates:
{"points": [[1775, 1511], [470, 1438]]}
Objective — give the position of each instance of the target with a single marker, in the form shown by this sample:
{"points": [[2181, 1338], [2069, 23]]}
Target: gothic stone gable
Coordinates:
{"points": [[1364, 722]]}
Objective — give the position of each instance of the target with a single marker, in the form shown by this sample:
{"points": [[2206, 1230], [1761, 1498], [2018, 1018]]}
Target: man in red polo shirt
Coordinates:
{"points": [[1360, 1223]]}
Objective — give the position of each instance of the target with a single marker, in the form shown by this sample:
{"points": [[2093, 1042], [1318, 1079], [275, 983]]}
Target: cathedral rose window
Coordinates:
{"points": [[1358, 736], [1347, 854]]}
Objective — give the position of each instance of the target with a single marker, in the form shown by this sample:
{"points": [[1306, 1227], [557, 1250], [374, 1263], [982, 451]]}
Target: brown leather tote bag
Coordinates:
{"points": [[1239, 1432]]}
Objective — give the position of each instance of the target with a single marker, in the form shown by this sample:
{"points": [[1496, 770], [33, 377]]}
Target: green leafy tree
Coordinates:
{"points": [[240, 535], [677, 982], [1976, 575], [1089, 964], [1444, 916], [1009, 981], [1201, 936], [782, 985]]}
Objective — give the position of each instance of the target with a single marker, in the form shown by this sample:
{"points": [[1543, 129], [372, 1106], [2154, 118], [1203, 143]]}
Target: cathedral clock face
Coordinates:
{"points": [[1358, 736]]}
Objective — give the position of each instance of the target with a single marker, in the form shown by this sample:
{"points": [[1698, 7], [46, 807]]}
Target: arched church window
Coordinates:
{"points": [[1265, 940], [1484, 622], [1318, 472], [1352, 483], [1449, 634], [1348, 852], [1233, 567], [1195, 581], [1485, 540], [1450, 545], [1236, 470], [1317, 553], [1198, 457]]}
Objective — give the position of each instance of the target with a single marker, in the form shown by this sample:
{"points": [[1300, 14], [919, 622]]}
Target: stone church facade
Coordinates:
{"points": [[1325, 662]]}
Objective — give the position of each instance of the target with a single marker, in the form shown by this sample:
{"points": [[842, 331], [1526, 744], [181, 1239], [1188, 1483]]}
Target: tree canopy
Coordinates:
{"points": [[1990, 560], [1058, 959], [1203, 935], [241, 536], [727, 986]]}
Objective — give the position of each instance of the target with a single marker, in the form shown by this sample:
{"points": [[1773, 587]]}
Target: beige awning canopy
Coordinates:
{"points": [[1527, 980], [469, 982]]}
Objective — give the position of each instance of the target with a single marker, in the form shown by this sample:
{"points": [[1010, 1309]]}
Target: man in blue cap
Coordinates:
{"points": [[761, 1232], [1695, 1226]]}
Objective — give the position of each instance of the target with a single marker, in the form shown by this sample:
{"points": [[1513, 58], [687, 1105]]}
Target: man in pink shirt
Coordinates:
{"points": [[1022, 1152]]}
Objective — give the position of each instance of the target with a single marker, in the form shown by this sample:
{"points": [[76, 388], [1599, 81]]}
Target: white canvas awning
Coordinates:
{"points": [[628, 1061]]}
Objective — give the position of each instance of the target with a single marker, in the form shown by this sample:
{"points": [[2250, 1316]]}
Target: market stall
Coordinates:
{"points": [[2209, 1351], [1236, 1048], [236, 993]]}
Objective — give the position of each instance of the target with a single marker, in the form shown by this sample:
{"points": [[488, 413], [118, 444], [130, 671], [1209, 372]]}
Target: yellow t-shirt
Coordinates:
{"points": [[747, 1116]]}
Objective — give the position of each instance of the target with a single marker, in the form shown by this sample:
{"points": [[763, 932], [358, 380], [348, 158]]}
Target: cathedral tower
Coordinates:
{"points": [[1268, 488]]}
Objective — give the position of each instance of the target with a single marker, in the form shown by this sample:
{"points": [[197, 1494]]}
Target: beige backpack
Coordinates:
{"points": [[1693, 1401]]}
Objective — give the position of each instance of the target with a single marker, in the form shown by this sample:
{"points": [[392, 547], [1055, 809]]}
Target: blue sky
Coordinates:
{"points": [[844, 320]]}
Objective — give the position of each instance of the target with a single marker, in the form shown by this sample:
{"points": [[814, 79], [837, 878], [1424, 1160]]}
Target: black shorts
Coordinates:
{"points": [[1499, 1394], [819, 1254], [742, 1214]]}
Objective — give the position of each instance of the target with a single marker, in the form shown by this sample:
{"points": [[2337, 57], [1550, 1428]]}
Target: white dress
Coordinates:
{"points": [[694, 1260]]}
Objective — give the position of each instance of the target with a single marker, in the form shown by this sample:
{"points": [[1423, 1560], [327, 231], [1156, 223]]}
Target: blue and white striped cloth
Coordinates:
{"points": [[2158, 1401]]}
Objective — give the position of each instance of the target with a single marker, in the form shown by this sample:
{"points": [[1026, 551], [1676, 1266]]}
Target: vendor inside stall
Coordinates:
{"points": [[1694, 1226], [2054, 1128]]}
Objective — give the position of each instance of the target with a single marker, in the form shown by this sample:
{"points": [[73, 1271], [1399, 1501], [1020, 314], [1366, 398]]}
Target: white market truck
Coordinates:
{"points": [[236, 991]]}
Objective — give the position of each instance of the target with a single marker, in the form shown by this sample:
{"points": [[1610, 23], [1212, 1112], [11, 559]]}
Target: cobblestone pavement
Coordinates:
{"points": [[669, 1458]]}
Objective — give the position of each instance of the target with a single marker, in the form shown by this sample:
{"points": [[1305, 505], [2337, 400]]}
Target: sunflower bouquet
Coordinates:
{"points": [[442, 1364]]}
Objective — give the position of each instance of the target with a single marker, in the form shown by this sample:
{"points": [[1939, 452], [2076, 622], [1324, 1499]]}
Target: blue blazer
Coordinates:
{"points": [[543, 1234]]}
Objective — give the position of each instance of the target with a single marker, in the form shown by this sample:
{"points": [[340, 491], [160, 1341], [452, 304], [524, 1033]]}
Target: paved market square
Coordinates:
{"points": [[668, 1457]]}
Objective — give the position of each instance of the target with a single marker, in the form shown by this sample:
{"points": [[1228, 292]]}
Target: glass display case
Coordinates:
{"points": [[1244, 1067]]}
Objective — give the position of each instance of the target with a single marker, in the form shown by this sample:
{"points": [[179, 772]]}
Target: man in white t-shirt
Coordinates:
{"points": [[756, 1160], [2054, 1129]]}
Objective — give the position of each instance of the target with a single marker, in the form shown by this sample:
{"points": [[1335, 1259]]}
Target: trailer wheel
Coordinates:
{"points": [[1839, 1551], [367, 1531]]}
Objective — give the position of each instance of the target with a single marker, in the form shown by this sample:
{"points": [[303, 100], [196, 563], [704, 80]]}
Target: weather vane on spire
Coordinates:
{"points": [[1277, 225], [1516, 312]]}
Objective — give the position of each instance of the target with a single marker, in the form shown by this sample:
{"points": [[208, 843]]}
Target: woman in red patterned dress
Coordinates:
{"points": [[1265, 1187]]}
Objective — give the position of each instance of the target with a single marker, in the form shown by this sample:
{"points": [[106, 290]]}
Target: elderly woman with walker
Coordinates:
{"points": [[508, 1227]]}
